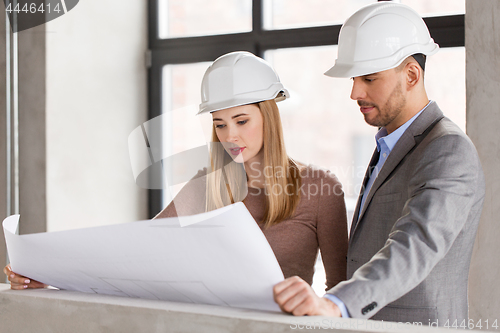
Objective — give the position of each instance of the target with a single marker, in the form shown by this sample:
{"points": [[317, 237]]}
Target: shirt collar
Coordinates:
{"points": [[390, 140]]}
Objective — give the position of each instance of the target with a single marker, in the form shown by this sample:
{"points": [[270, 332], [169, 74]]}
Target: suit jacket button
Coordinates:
{"points": [[369, 308]]}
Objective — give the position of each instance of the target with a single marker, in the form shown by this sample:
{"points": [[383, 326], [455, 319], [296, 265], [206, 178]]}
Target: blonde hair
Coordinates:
{"points": [[226, 181]]}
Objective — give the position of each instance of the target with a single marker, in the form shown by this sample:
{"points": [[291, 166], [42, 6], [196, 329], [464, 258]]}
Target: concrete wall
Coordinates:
{"points": [[3, 145], [32, 131], [66, 311], [96, 95], [482, 42], [32, 203]]}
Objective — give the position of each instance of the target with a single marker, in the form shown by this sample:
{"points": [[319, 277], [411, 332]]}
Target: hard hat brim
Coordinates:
{"points": [[214, 107], [360, 68]]}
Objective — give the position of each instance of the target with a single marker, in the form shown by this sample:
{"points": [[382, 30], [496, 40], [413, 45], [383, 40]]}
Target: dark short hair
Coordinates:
{"points": [[420, 58]]}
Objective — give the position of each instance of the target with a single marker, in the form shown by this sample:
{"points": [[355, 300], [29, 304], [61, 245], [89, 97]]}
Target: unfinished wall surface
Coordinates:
{"points": [[67, 311], [482, 43], [27, 128]]}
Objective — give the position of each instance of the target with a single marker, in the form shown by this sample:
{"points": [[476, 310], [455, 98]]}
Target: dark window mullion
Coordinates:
{"points": [[155, 197], [257, 26], [201, 42], [447, 31], [153, 21], [197, 49], [300, 37]]}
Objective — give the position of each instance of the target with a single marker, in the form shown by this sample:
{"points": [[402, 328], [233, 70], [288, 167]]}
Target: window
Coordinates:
{"points": [[182, 18], [283, 14], [300, 42], [435, 8], [332, 131], [181, 94]]}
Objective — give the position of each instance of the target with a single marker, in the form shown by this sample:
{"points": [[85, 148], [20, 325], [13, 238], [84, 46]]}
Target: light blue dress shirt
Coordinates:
{"points": [[340, 304], [385, 144]]}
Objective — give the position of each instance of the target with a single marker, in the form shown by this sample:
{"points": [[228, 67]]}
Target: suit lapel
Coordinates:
{"points": [[405, 144], [402, 147]]}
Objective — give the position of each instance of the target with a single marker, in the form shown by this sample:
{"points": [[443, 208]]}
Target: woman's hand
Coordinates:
{"points": [[19, 282]]}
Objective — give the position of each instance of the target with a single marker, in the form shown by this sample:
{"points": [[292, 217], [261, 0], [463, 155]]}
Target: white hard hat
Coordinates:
{"points": [[239, 78], [379, 37]]}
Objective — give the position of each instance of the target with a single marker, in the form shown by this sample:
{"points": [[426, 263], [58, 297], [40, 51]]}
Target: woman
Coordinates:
{"points": [[300, 209]]}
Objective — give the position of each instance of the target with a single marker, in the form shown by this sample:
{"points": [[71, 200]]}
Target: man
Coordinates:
{"points": [[415, 223]]}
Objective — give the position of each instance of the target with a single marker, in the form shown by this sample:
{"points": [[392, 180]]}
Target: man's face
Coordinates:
{"points": [[381, 98]]}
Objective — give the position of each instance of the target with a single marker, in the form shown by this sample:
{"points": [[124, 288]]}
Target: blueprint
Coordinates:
{"points": [[220, 258]]}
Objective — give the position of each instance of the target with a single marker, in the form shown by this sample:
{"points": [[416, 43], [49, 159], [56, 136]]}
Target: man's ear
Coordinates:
{"points": [[414, 74]]}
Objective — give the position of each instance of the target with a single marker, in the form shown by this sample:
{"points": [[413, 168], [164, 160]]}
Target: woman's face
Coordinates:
{"points": [[241, 131]]}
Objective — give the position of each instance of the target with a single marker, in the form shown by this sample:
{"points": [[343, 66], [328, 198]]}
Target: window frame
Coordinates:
{"points": [[447, 31]]}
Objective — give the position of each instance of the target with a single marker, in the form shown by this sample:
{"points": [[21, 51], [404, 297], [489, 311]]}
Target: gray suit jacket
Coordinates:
{"points": [[410, 249]]}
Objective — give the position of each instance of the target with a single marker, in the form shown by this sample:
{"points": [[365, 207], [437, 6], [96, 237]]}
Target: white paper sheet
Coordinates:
{"points": [[220, 257]]}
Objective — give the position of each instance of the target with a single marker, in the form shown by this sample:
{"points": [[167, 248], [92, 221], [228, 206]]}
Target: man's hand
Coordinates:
{"points": [[296, 296], [20, 282]]}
